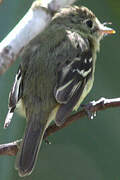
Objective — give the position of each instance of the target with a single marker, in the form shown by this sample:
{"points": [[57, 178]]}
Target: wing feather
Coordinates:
{"points": [[72, 79], [14, 96]]}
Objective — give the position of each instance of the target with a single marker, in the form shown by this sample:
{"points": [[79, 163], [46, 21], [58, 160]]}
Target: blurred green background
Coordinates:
{"points": [[86, 149]]}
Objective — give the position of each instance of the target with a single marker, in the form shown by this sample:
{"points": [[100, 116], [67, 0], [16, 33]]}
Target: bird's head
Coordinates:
{"points": [[88, 24], [84, 21]]}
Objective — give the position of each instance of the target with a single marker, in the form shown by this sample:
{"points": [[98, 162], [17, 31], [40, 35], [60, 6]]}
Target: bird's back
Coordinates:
{"points": [[53, 48]]}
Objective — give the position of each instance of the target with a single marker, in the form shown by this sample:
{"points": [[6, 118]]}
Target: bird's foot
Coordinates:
{"points": [[89, 110], [47, 141]]}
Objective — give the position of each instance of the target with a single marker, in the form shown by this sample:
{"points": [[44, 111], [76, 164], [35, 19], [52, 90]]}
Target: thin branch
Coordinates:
{"points": [[1, 2], [10, 149], [33, 23], [101, 104]]}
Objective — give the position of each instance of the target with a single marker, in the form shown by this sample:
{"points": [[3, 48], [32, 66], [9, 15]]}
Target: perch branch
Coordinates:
{"points": [[101, 104], [1, 2], [33, 23]]}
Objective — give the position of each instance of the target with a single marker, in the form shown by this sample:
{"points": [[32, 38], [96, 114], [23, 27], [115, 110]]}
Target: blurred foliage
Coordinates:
{"points": [[115, 6], [86, 149]]}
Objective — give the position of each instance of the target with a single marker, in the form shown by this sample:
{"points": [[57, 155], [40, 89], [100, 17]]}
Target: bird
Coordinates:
{"points": [[55, 75]]}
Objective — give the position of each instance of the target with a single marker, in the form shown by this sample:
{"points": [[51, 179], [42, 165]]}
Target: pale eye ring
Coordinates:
{"points": [[89, 23]]}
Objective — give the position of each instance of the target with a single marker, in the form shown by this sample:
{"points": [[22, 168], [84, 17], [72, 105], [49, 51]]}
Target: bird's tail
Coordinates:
{"points": [[30, 146]]}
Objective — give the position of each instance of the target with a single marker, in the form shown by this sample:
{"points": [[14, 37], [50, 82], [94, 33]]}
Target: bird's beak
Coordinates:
{"points": [[106, 30]]}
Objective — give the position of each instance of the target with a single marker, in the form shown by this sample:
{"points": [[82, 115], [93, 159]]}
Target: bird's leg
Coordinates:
{"points": [[47, 142]]}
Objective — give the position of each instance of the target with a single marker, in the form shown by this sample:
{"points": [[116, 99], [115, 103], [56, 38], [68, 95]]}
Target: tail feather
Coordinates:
{"points": [[30, 147]]}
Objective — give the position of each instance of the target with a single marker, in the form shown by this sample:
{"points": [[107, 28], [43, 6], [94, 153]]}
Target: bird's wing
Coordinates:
{"points": [[14, 96], [72, 78]]}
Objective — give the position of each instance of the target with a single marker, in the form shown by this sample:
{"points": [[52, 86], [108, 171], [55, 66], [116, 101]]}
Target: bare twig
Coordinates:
{"points": [[10, 149], [101, 104], [1, 1]]}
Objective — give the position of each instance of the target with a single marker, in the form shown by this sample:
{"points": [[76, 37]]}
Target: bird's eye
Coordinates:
{"points": [[89, 23]]}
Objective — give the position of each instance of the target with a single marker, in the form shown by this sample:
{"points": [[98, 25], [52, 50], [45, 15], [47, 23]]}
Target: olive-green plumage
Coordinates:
{"points": [[57, 72]]}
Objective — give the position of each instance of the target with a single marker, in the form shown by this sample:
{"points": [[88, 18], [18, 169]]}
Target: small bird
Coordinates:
{"points": [[56, 74]]}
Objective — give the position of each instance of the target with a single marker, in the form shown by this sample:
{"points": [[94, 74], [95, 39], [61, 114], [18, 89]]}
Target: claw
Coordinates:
{"points": [[47, 141], [88, 111]]}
